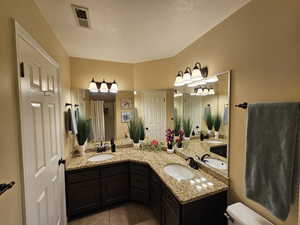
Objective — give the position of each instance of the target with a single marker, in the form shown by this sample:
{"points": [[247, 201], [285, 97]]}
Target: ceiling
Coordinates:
{"points": [[134, 30]]}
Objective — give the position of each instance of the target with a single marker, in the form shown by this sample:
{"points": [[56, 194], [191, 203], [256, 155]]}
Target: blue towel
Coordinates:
{"points": [[73, 122], [225, 116], [206, 112], [272, 132]]}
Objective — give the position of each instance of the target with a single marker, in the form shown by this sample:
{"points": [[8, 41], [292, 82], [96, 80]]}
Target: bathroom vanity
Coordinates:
{"points": [[139, 176]]}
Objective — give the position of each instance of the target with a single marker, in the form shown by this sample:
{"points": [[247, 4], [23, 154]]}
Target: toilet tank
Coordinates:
{"points": [[240, 214]]}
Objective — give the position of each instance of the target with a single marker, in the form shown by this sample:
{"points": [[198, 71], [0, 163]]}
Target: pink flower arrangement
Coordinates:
{"points": [[170, 138], [180, 138], [154, 143]]}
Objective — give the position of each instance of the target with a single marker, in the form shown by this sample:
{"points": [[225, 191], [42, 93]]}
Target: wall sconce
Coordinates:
{"points": [[194, 78], [103, 87]]}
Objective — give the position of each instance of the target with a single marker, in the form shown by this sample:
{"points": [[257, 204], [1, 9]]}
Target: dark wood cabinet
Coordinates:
{"points": [[115, 189], [139, 183], [83, 197], [95, 188], [156, 196]]}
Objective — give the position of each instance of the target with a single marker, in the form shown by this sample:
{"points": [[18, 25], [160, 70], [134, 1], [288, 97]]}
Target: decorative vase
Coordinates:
{"points": [[209, 132], [170, 148], [81, 149], [187, 138], [136, 145], [179, 145], [217, 134]]}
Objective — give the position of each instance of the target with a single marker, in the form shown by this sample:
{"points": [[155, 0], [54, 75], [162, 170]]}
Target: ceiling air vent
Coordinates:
{"points": [[81, 16]]}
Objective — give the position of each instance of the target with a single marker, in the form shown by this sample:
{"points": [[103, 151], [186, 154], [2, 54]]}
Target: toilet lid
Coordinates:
{"points": [[243, 215]]}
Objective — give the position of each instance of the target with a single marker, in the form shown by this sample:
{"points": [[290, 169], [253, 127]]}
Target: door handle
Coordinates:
{"points": [[61, 161]]}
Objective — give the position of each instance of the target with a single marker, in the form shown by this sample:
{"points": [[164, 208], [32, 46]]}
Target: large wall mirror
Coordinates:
{"points": [[205, 106]]}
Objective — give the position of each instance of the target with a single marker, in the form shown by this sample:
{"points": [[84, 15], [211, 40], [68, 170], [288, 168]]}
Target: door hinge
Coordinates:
{"points": [[22, 69]]}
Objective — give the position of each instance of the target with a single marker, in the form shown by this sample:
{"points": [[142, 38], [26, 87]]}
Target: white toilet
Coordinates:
{"points": [[239, 214]]}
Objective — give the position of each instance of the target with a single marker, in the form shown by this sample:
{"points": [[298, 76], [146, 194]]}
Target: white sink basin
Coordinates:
{"points": [[214, 142], [216, 163], [100, 157], [178, 172]]}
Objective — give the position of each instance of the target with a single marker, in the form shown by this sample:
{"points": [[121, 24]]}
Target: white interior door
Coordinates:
{"points": [[154, 113], [41, 133]]}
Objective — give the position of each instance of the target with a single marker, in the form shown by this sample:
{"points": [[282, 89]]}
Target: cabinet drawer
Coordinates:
{"points": [[139, 169], [115, 169], [139, 181], [82, 175], [139, 195]]}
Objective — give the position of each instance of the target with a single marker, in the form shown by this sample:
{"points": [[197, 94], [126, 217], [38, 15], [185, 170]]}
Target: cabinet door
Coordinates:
{"points": [[115, 189], [155, 196], [83, 197], [170, 217]]}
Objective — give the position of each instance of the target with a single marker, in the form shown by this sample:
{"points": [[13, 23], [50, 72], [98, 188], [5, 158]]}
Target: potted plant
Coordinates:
{"points": [[217, 125], [209, 122], [179, 140], [142, 130], [187, 127], [170, 140], [83, 132], [134, 130], [177, 126]]}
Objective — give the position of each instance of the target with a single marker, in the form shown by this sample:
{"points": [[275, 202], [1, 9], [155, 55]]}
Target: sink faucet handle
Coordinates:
{"points": [[204, 156]]}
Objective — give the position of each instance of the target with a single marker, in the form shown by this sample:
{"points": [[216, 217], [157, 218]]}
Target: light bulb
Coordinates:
{"points": [[200, 91], [103, 87], [196, 73], [93, 86], [113, 88], [187, 76], [205, 91], [179, 80], [211, 91]]}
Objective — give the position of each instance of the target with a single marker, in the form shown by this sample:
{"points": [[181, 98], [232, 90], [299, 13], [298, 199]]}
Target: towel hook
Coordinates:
{"points": [[242, 105]]}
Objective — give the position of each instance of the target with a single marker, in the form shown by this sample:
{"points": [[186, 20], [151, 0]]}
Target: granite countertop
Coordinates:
{"points": [[184, 191], [197, 147]]}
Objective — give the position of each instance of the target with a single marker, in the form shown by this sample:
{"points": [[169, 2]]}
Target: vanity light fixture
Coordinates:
{"points": [[197, 83], [179, 79], [114, 87], [93, 86], [196, 73], [211, 79], [187, 76], [103, 87]]}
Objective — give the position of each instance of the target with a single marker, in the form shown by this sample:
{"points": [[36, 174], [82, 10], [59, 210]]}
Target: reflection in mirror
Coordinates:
{"points": [[206, 106]]}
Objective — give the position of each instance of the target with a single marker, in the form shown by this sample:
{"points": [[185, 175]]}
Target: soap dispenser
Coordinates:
{"points": [[113, 145]]}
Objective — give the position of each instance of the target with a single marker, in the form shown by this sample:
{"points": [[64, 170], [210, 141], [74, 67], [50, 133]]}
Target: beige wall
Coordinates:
{"points": [[83, 70], [28, 15], [260, 43], [121, 128]]}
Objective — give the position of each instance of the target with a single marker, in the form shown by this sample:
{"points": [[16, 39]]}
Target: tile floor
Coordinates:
{"points": [[127, 214]]}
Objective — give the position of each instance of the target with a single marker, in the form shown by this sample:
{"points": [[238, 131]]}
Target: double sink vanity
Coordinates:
{"points": [[175, 192]]}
